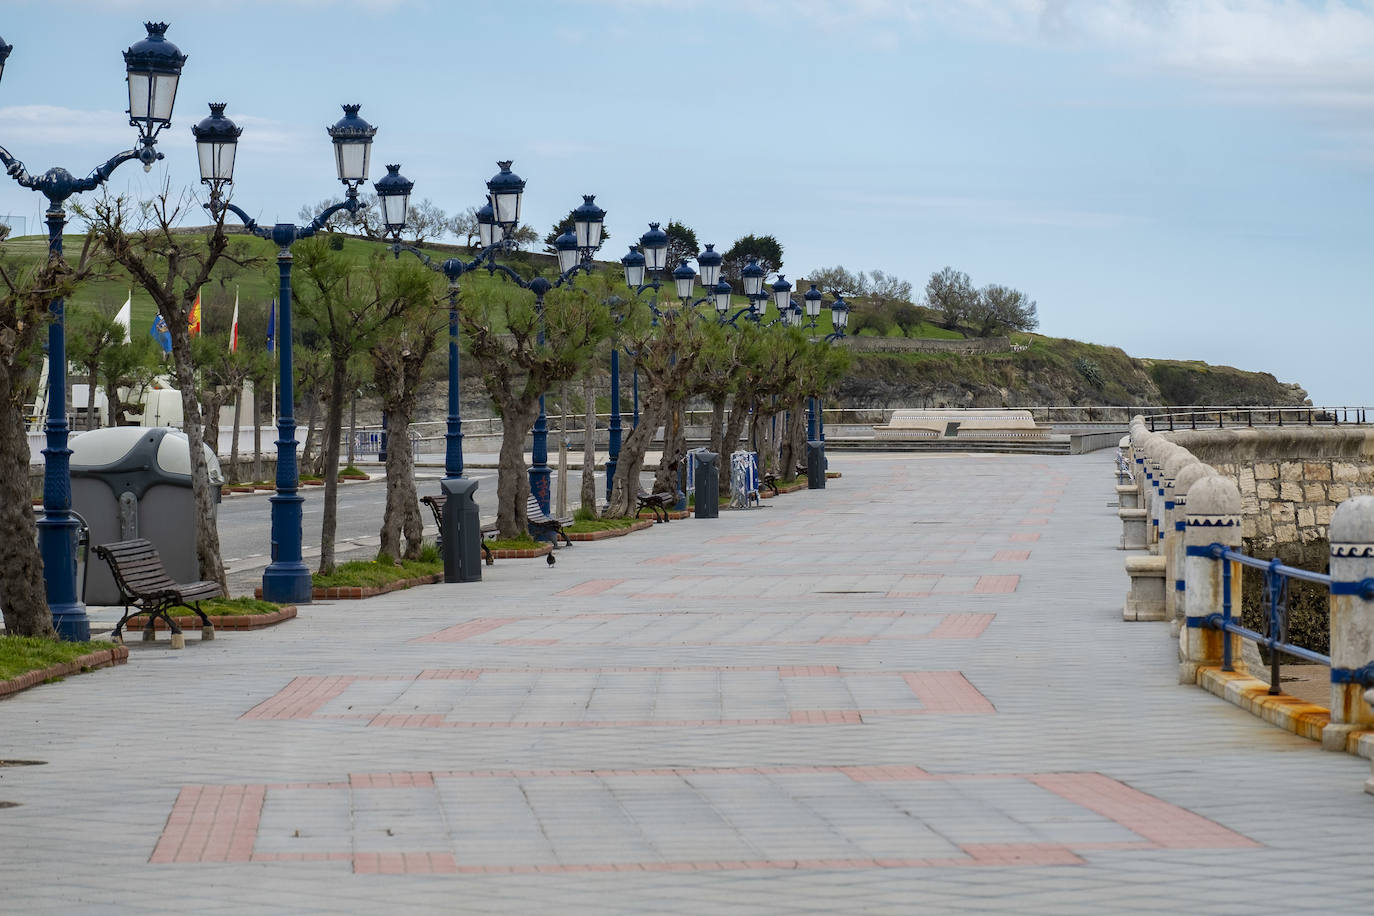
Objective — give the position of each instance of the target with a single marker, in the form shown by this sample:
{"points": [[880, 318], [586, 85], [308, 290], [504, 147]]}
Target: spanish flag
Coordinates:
{"points": [[193, 325]]}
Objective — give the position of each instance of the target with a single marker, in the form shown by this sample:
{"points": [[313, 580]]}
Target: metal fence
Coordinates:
{"points": [[1277, 578], [1223, 417]]}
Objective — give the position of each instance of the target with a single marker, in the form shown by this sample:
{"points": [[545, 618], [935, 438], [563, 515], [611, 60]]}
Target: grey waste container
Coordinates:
{"points": [[815, 465], [462, 534], [135, 482], [707, 484]]}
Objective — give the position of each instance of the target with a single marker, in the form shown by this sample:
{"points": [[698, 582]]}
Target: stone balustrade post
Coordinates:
{"points": [[1124, 463], [1351, 534], [1213, 518], [1176, 584]]}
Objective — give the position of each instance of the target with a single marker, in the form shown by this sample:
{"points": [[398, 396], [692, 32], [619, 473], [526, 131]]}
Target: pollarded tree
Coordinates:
{"points": [[822, 366], [349, 308], [91, 337], [666, 353], [24, 318], [401, 362], [171, 266], [501, 326], [220, 374]]}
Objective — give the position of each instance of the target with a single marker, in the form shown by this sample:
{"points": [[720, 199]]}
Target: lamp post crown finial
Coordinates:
{"points": [[217, 108], [156, 29]]}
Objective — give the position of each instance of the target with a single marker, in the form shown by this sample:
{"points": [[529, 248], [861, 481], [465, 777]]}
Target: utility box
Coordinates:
{"points": [[815, 465], [135, 482], [462, 534], [707, 483]]}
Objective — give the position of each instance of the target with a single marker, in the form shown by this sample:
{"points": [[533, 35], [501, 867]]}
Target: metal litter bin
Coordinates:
{"points": [[462, 534], [707, 483], [135, 482], [815, 465]]}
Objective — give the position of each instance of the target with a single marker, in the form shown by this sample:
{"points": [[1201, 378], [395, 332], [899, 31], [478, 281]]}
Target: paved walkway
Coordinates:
{"points": [[911, 692]]}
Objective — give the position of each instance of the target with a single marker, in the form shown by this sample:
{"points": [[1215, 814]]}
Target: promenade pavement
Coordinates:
{"points": [[911, 692]]}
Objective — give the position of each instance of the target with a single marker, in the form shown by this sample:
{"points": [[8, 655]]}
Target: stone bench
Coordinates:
{"points": [[961, 424]]}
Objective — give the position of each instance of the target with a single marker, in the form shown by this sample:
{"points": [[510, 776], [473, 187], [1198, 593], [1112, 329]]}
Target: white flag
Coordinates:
{"points": [[123, 316], [234, 327]]}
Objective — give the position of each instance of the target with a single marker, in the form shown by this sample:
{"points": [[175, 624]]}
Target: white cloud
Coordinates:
{"points": [[96, 130]]}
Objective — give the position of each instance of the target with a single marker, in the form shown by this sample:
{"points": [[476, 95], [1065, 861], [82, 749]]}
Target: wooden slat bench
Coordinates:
{"points": [[436, 506], [657, 503], [145, 587], [541, 524]]}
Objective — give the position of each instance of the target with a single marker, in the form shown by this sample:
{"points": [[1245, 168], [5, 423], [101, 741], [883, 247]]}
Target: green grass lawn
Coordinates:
{"points": [[587, 526], [229, 607], [21, 654], [372, 573], [523, 542]]}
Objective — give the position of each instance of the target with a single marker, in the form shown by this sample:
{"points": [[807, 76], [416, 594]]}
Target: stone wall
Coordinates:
{"points": [[1290, 480]]}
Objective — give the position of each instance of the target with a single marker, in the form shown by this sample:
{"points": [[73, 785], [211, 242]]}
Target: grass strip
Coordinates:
{"points": [[381, 571], [22, 654], [589, 525], [228, 607]]}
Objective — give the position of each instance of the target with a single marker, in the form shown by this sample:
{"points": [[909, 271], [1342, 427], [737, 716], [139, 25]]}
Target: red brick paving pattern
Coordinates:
{"points": [[210, 824]]}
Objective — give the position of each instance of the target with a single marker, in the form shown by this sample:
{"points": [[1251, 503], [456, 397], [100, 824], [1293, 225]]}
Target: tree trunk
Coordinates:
{"points": [[739, 415], [21, 567], [718, 428], [352, 428], [91, 381], [207, 532], [257, 436], [333, 421], [210, 432], [234, 440], [562, 501], [307, 464], [513, 482], [402, 519], [794, 443], [625, 487], [674, 447], [588, 494]]}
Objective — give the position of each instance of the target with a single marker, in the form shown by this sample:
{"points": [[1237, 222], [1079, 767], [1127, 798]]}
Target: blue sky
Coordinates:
{"points": [[1189, 179]]}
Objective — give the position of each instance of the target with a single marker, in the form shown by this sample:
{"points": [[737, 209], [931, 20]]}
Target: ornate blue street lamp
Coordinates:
{"points": [[286, 579], [153, 67], [839, 320], [393, 194]]}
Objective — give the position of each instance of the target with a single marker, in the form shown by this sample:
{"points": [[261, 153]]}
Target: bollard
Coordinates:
{"points": [[1175, 594], [1133, 529], [1145, 599], [1170, 535], [1127, 498], [1352, 620], [1213, 518]]}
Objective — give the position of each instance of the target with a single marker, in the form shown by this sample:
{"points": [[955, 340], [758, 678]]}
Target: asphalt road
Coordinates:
{"points": [[245, 521]]}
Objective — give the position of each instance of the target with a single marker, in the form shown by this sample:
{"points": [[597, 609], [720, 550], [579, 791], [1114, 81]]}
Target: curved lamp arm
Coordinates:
{"points": [[58, 184]]}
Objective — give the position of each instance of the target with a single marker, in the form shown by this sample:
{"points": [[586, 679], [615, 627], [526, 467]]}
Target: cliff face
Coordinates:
{"points": [[1052, 371]]}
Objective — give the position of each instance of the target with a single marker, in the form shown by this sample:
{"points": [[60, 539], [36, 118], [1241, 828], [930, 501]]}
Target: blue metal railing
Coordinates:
{"points": [[1276, 579]]}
